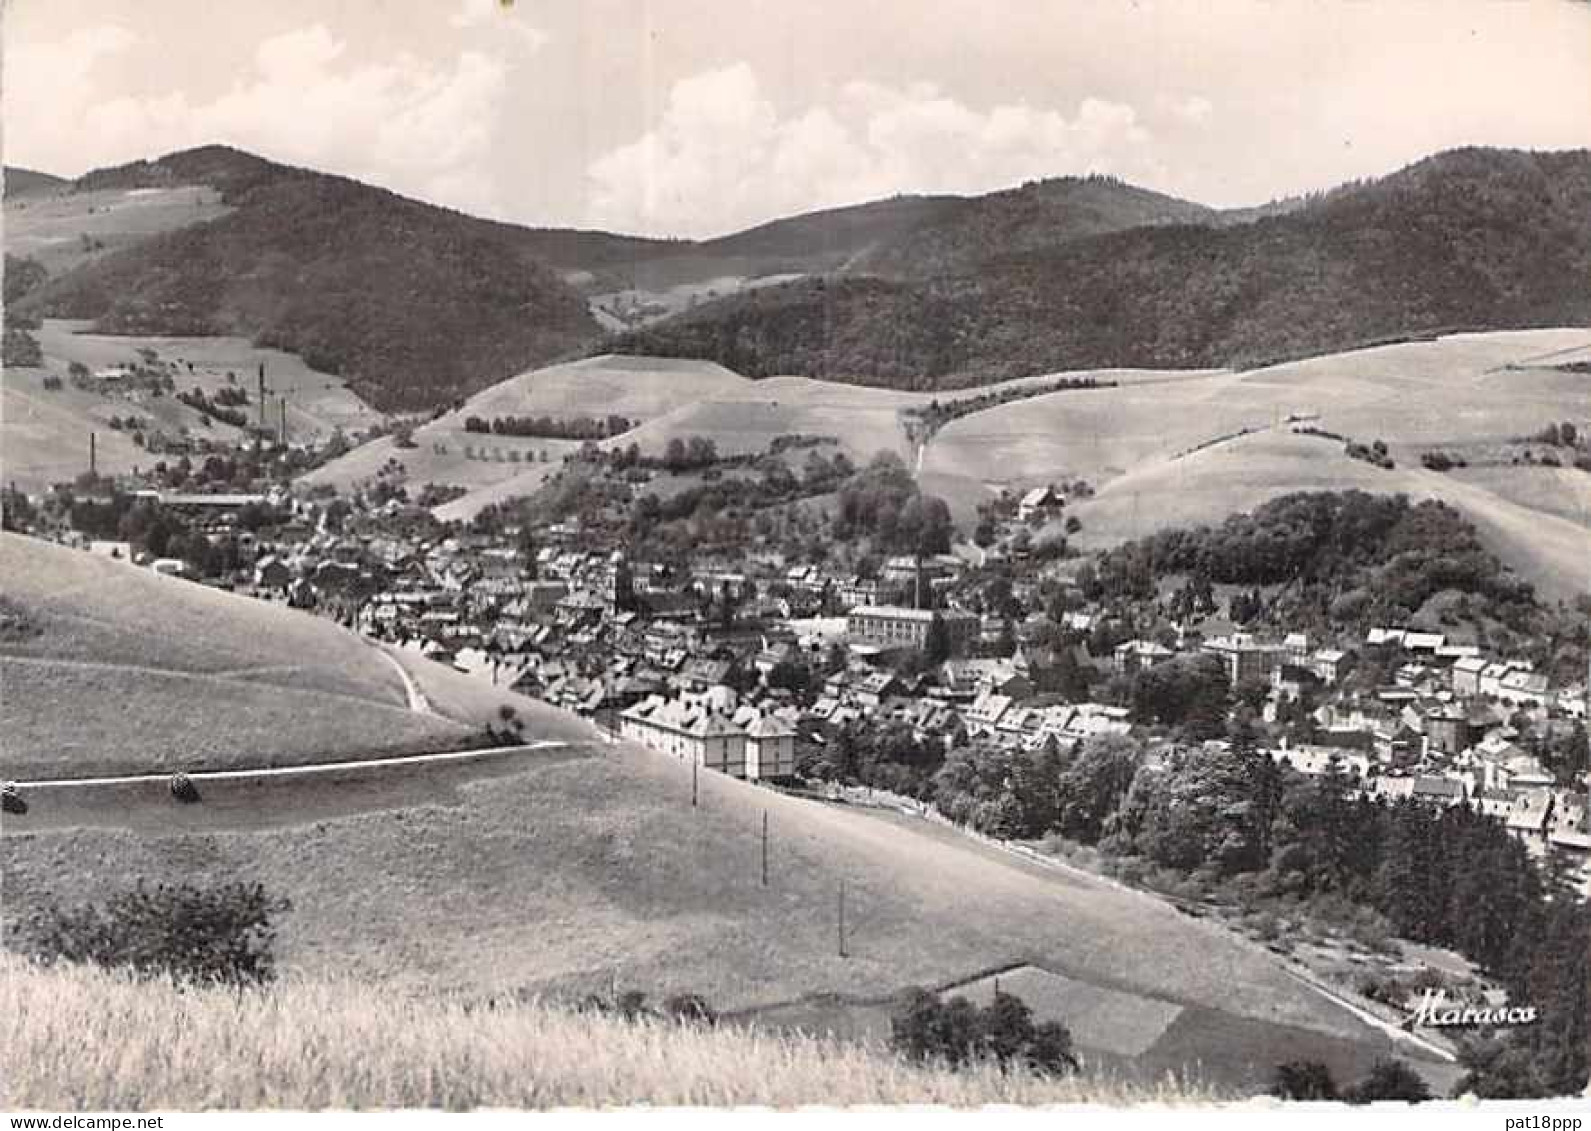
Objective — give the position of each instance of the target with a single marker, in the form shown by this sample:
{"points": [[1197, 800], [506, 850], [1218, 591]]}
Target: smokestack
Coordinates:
{"points": [[262, 396], [281, 431], [93, 454]]}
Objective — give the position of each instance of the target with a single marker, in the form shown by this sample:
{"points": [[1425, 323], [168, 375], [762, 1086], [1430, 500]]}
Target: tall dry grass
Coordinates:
{"points": [[76, 1039]]}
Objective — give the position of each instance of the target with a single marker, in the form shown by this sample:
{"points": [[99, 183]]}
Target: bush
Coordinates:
{"points": [[183, 789], [690, 1009], [11, 800], [223, 934], [1389, 1080], [1303, 1080]]}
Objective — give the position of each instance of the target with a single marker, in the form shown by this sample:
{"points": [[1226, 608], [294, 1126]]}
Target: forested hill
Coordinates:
{"points": [[414, 305], [1038, 215], [1470, 239]]}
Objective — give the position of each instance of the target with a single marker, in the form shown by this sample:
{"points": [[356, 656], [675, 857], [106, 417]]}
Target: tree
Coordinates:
{"points": [[957, 1033]]}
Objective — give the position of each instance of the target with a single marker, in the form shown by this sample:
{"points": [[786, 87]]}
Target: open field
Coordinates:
{"points": [[628, 309], [316, 1044], [110, 668], [669, 398], [1564, 492], [61, 230], [1420, 392]]}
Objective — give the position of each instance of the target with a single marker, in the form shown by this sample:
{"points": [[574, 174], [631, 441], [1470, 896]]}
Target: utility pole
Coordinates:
{"points": [[765, 848], [842, 920]]}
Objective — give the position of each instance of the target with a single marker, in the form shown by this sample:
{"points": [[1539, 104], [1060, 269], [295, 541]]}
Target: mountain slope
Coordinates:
{"points": [[413, 305], [1038, 215], [1479, 239]]}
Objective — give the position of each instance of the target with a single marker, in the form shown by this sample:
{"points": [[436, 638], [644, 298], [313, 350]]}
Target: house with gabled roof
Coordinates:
{"points": [[690, 729]]}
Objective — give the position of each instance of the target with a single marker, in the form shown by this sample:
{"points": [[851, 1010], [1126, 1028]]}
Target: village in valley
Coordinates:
{"points": [[583, 555], [759, 663]]}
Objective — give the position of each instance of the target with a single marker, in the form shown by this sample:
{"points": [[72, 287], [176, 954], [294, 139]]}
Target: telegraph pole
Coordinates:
{"points": [[842, 919], [765, 848]]}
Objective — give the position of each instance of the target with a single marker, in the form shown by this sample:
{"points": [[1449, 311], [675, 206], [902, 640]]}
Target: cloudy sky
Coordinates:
{"points": [[694, 117]]}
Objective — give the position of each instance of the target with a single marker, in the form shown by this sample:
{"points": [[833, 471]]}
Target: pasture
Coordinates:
{"points": [[61, 230], [109, 668]]}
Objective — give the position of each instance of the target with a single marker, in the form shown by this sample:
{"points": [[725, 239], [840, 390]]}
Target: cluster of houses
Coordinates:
{"points": [[736, 664]]}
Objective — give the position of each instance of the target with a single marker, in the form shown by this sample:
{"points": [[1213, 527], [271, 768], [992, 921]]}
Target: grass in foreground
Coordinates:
{"points": [[84, 1039]]}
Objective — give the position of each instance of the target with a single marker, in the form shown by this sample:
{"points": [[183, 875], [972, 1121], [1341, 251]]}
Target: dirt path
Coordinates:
{"points": [[418, 703]]}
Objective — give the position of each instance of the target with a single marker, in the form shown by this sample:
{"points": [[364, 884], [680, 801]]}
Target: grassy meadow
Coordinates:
{"points": [[62, 230], [84, 1039], [109, 668]]}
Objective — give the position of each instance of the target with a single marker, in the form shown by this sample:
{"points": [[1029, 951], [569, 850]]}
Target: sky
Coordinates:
{"points": [[698, 117]]}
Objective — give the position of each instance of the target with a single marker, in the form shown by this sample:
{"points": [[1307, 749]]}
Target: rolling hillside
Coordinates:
{"points": [[44, 430], [20, 182], [412, 305], [584, 866], [109, 668], [1473, 239]]}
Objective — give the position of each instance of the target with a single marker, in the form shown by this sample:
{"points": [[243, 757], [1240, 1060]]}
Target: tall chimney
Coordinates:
{"points": [[262, 396], [93, 454], [281, 431]]}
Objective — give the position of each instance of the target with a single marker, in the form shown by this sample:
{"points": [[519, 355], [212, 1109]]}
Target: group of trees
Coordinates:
{"points": [[1227, 814], [955, 1032], [883, 504], [214, 408], [551, 427], [1348, 558]]}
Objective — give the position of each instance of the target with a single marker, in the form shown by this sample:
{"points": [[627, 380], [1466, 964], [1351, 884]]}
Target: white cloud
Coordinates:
{"points": [[723, 156], [421, 126], [50, 85], [1195, 110]]}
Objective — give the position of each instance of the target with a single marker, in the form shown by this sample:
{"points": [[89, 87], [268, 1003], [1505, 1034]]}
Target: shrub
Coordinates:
{"points": [[1303, 1080], [183, 788], [1389, 1080], [690, 1009], [223, 934], [11, 799]]}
